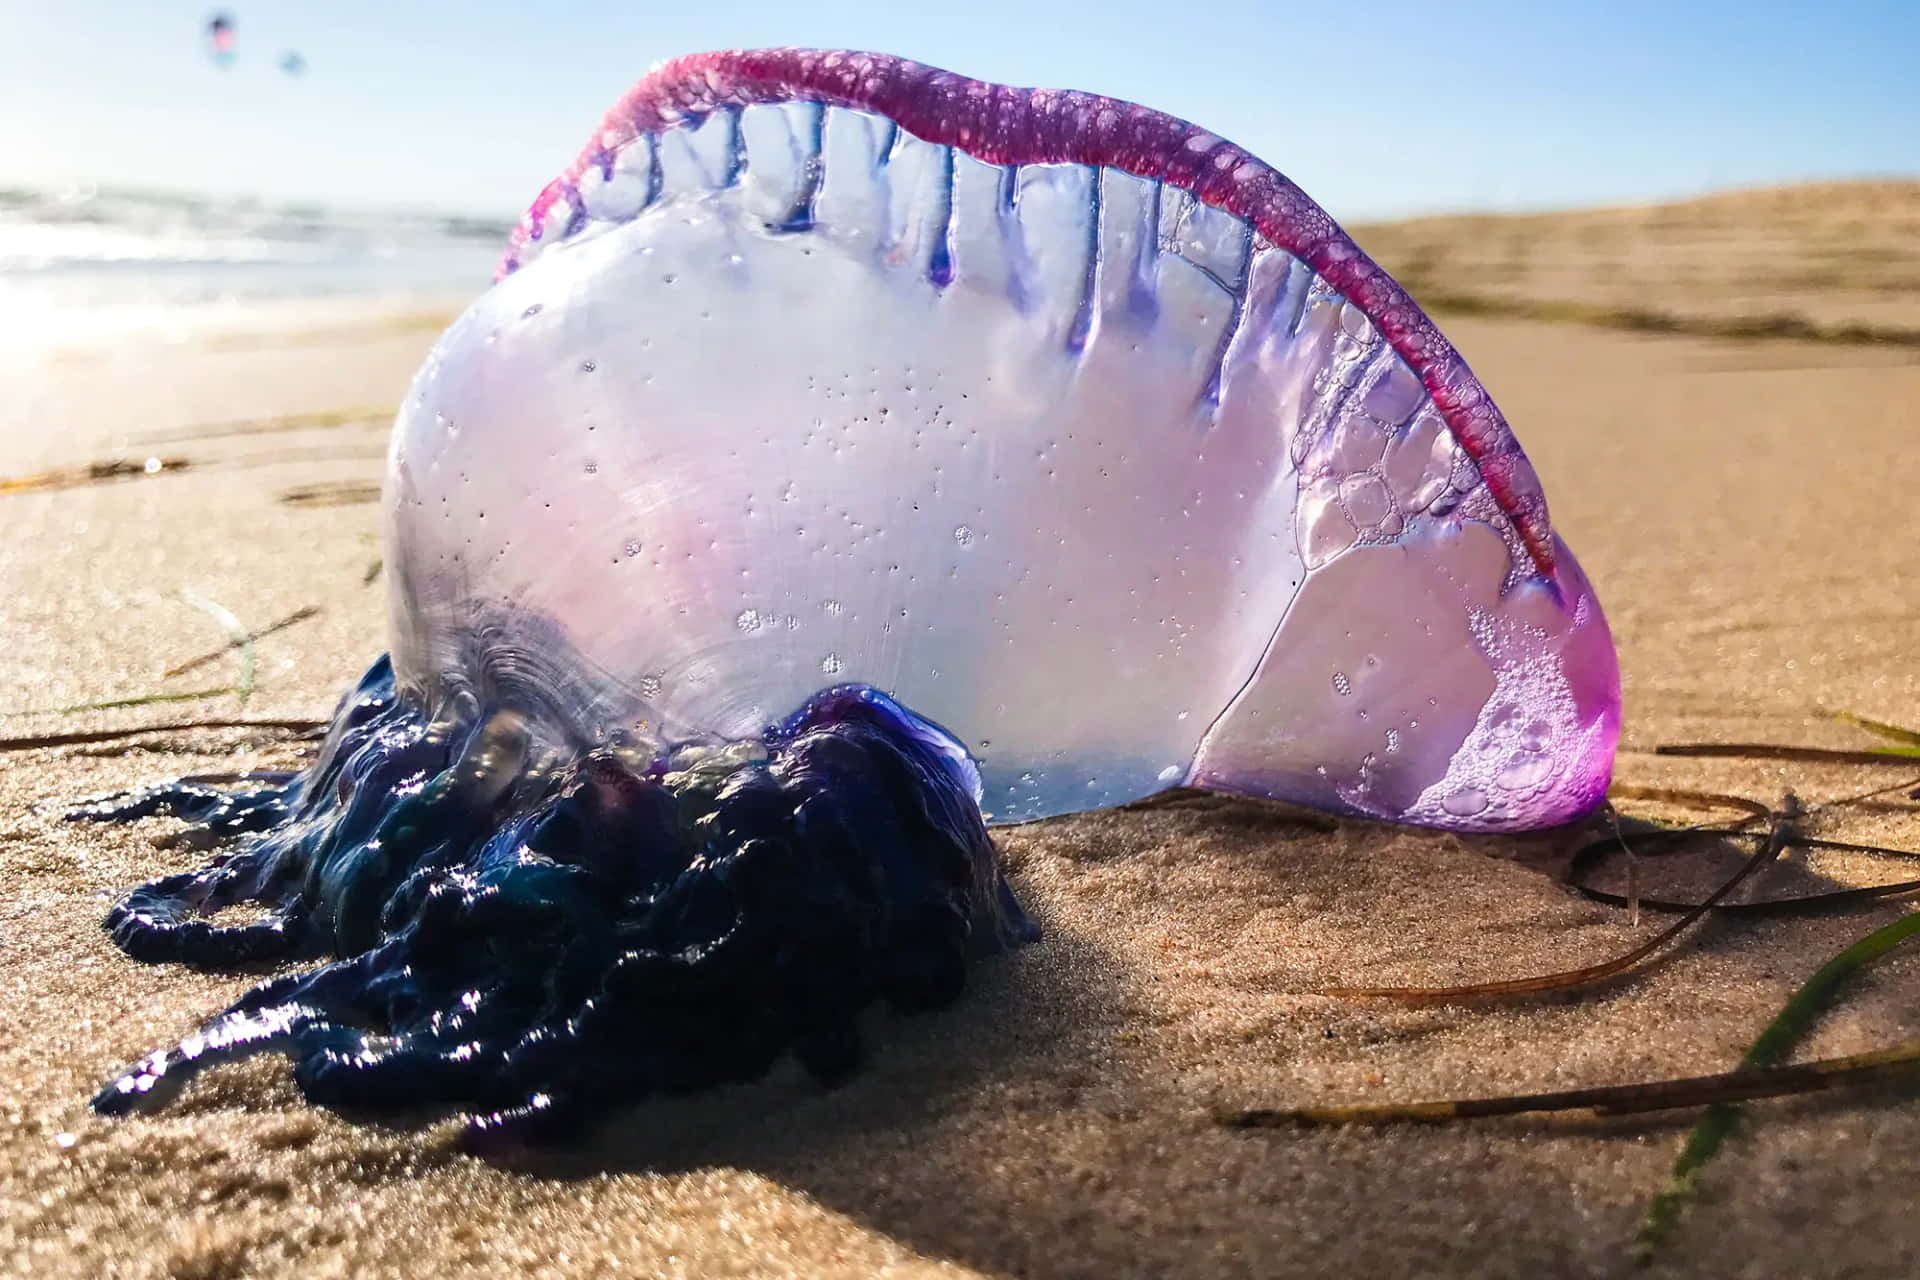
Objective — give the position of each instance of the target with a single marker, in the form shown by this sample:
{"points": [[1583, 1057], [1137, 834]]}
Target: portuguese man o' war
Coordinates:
{"points": [[849, 454]]}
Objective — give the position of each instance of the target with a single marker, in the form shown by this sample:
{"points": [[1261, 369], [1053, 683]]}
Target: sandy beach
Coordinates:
{"points": [[1745, 509]]}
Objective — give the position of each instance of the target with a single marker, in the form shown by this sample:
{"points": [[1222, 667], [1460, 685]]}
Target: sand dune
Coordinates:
{"points": [[1832, 259]]}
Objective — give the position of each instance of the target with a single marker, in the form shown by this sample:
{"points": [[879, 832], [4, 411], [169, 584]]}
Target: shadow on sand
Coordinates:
{"points": [[1043, 1126]]}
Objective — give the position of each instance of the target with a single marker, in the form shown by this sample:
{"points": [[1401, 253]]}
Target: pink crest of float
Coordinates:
{"points": [[1002, 124]]}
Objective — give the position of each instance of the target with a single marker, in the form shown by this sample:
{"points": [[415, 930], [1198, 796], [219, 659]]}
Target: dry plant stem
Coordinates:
{"points": [[1607, 1100], [1757, 1077], [1781, 835], [344, 493], [115, 704], [298, 615], [1769, 751], [106, 472], [1862, 797], [83, 737], [1805, 905], [1808, 904], [1691, 799]]}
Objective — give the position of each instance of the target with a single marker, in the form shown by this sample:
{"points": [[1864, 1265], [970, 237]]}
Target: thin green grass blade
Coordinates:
{"points": [[1786, 1030], [145, 700], [237, 637], [297, 616], [111, 704], [1879, 728]]}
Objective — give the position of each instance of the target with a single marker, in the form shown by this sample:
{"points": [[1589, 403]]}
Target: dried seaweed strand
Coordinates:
{"points": [[1862, 797], [1779, 838], [1804, 904], [36, 742], [112, 704], [1691, 799], [298, 615], [1606, 1100], [1770, 751], [331, 493], [104, 472]]}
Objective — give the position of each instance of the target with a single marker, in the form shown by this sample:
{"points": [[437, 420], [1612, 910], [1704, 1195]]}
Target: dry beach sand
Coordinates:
{"points": [[1746, 509]]}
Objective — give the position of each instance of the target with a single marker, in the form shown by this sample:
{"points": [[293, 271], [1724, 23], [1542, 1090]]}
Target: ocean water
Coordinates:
{"points": [[86, 266]]}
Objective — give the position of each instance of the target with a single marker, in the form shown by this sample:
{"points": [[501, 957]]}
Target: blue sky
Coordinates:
{"points": [[1377, 109]]}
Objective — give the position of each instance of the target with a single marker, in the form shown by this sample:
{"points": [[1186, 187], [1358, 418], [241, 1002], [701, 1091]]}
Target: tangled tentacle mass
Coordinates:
{"points": [[528, 946]]}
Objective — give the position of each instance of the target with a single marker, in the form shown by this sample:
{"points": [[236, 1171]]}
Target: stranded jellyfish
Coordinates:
{"points": [[848, 454]]}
